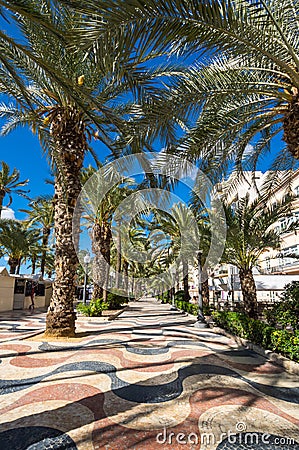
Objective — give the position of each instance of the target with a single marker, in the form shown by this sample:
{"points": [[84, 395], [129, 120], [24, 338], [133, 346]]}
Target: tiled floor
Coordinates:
{"points": [[147, 380]]}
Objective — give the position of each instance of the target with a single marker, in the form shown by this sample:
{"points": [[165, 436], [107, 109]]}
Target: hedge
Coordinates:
{"points": [[281, 341], [190, 308]]}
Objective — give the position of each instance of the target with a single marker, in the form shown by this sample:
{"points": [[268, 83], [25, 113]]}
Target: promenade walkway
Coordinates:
{"points": [[147, 380]]}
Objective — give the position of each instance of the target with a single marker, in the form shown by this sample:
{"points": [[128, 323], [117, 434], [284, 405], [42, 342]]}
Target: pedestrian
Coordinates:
{"points": [[32, 295]]}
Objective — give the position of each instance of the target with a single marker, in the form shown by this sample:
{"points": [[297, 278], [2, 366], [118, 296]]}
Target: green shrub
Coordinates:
{"points": [[286, 312], [94, 308], [116, 299], [260, 333], [191, 308], [186, 306], [179, 296]]}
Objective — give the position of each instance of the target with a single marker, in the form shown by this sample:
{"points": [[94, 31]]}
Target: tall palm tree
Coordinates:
{"points": [[34, 256], [100, 219], [42, 213], [16, 241], [10, 183], [66, 119], [247, 89], [205, 228], [181, 226], [250, 232]]}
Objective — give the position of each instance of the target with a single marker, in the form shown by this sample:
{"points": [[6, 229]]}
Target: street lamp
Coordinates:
{"points": [[201, 322], [86, 260]]}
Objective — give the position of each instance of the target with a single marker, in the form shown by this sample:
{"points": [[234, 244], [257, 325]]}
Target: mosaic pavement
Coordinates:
{"points": [[147, 380]]}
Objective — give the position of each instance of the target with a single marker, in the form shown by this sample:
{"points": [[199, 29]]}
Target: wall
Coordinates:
{"points": [[39, 302], [6, 293]]}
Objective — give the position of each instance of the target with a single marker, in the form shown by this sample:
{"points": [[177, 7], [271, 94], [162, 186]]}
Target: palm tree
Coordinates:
{"points": [[34, 256], [10, 183], [65, 120], [205, 228], [250, 232], [247, 89], [101, 222], [11, 44], [181, 226], [42, 213], [16, 241]]}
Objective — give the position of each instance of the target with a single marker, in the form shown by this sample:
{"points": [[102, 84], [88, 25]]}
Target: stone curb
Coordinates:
{"points": [[276, 358], [112, 316], [118, 313]]}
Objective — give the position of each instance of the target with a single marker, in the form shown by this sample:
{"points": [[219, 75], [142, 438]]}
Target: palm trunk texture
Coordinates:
{"points": [[45, 240], [70, 144], [2, 195], [118, 257], [205, 288], [186, 281], [13, 264], [125, 270], [249, 292], [101, 239]]}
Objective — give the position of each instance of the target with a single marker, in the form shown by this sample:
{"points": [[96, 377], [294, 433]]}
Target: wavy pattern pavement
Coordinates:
{"points": [[143, 381]]}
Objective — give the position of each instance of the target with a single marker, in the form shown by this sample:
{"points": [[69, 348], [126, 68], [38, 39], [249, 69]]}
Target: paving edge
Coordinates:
{"points": [[118, 313], [276, 358]]}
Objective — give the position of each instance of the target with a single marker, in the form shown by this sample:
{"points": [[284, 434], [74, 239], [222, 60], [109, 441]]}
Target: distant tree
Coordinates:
{"points": [[250, 232], [16, 241], [180, 225], [69, 97], [10, 183], [42, 214]]}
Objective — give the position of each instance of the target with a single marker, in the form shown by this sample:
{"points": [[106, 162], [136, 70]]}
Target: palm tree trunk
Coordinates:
{"points": [[70, 144], [19, 266], [205, 288], [249, 292], [33, 265], [13, 264], [97, 265], [45, 240], [125, 271], [101, 241], [2, 195], [186, 281], [118, 256]]}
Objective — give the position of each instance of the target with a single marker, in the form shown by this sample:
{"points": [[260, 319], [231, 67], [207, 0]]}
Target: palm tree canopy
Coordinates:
{"points": [[16, 239], [246, 85], [41, 212], [99, 90], [180, 228], [10, 182], [250, 229]]}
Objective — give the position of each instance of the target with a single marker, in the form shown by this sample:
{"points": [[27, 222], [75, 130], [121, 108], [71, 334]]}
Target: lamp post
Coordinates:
{"points": [[86, 260], [201, 322]]}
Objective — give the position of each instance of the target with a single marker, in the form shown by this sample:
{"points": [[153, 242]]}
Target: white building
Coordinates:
{"points": [[276, 268], [7, 213]]}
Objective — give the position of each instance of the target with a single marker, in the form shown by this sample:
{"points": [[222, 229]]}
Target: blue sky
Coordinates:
{"points": [[21, 150]]}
